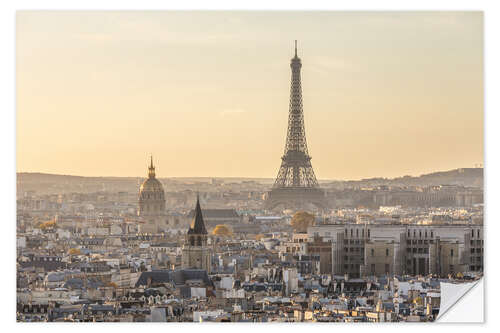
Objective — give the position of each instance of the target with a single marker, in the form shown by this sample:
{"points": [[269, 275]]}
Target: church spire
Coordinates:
{"points": [[151, 168], [197, 225]]}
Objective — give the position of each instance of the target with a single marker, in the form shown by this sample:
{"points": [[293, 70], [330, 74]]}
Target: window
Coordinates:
{"points": [[368, 233], [451, 253], [352, 233], [386, 252], [387, 268], [372, 251], [373, 268], [432, 234]]}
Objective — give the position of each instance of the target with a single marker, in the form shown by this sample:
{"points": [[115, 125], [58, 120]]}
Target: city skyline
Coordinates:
{"points": [[195, 96]]}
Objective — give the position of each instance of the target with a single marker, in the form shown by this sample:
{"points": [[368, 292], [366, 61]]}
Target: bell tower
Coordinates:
{"points": [[195, 252]]}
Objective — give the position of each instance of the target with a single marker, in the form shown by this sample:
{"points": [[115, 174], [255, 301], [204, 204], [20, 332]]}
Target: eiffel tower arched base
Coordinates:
{"points": [[296, 198]]}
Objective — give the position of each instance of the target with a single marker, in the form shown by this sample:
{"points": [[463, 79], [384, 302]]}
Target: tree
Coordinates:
{"points": [[47, 224], [301, 220], [222, 230], [259, 237], [74, 251], [112, 285]]}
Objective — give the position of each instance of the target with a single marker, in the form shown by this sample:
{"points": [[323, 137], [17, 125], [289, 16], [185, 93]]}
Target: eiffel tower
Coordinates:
{"points": [[296, 185]]}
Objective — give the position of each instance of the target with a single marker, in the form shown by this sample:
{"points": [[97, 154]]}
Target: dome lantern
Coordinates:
{"points": [[151, 173]]}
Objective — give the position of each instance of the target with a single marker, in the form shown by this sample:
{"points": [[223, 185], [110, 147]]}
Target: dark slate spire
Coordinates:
{"points": [[197, 225]]}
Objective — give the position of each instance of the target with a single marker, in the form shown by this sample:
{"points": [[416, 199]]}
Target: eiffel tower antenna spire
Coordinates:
{"points": [[295, 48]]}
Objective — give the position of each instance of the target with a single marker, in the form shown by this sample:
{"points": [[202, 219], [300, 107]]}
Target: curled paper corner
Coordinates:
{"points": [[462, 303]]}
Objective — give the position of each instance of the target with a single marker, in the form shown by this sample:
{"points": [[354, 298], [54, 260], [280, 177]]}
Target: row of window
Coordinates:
{"points": [[476, 233], [357, 233], [417, 250], [372, 252], [419, 241], [387, 268], [157, 196], [425, 234], [195, 240], [353, 249], [359, 249], [351, 241]]}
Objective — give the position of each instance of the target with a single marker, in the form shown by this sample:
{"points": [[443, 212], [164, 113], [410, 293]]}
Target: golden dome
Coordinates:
{"points": [[151, 185], [151, 195]]}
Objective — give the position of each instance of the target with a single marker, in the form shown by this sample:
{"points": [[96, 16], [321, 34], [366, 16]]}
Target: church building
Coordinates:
{"points": [[151, 203], [195, 252]]}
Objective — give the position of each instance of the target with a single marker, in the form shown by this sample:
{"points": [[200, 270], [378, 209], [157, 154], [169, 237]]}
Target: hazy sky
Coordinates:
{"points": [[385, 93]]}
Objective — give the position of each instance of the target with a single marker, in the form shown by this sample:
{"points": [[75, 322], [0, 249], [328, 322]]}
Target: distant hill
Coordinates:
{"points": [[464, 176], [52, 183]]}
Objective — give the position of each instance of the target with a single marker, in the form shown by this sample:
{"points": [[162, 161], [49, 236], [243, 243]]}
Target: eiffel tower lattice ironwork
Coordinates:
{"points": [[296, 182]]}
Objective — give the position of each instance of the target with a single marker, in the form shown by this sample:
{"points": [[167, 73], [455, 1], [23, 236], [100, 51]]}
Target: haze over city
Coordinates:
{"points": [[207, 93]]}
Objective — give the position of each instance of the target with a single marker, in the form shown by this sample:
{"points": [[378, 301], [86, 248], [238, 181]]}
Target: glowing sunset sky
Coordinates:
{"points": [[385, 94]]}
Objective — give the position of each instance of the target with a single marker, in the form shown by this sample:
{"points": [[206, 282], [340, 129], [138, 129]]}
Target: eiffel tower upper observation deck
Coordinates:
{"points": [[296, 185]]}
